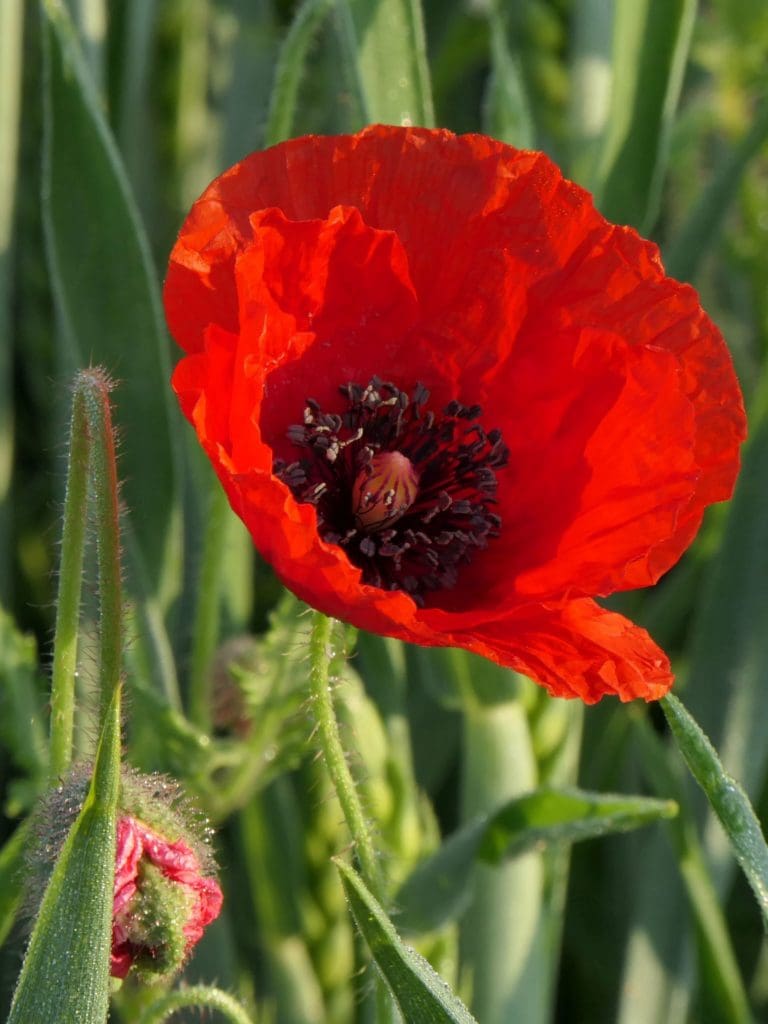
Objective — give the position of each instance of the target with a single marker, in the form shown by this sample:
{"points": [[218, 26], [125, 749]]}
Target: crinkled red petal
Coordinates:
{"points": [[577, 650]]}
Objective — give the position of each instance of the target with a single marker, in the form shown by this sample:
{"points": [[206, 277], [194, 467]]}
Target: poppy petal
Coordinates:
{"points": [[578, 650]]}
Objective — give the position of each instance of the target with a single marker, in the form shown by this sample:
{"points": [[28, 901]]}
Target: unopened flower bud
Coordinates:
{"points": [[162, 901], [165, 891]]}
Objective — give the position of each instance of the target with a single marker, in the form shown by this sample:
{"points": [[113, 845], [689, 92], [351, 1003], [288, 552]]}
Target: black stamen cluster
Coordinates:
{"points": [[456, 463]]}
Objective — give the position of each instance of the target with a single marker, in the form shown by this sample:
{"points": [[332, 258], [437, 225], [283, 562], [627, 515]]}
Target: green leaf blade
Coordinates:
{"points": [[650, 51], [727, 798], [565, 816], [439, 889], [105, 287], [389, 50], [419, 992], [65, 976]]}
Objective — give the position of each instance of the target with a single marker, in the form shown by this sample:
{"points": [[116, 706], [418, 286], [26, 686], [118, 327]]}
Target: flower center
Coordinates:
{"points": [[407, 493]]}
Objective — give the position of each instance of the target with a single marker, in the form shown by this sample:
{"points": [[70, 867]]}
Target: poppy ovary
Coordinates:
{"points": [[384, 490]]}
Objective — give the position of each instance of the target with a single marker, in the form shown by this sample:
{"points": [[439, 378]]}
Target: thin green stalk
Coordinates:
{"points": [[199, 996], [95, 387], [208, 609], [70, 586], [65, 976], [333, 751]]}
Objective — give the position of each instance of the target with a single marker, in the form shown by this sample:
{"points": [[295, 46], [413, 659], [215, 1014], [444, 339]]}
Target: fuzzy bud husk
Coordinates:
{"points": [[165, 890]]}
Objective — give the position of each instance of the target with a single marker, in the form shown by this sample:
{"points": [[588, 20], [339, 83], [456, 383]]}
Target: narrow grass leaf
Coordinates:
{"points": [[729, 649], [565, 816], [290, 68], [388, 46], [507, 114], [440, 887], [420, 993], [65, 976], [21, 712], [650, 50], [90, 18], [105, 289], [12, 857], [723, 988], [683, 257], [11, 30], [589, 100], [728, 800]]}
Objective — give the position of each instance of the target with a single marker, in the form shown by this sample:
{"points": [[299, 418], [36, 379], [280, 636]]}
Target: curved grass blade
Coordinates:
{"points": [[387, 44], [11, 865], [21, 711], [590, 93], [650, 50], [507, 113], [11, 32], [420, 993], [440, 887], [727, 798], [719, 975], [692, 243], [290, 68], [106, 293], [729, 650]]}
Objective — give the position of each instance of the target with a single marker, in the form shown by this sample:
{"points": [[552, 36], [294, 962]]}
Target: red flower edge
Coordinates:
{"points": [[478, 271]]}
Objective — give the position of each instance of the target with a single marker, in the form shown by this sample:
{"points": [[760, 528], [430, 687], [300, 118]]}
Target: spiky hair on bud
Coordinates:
{"points": [[154, 799]]}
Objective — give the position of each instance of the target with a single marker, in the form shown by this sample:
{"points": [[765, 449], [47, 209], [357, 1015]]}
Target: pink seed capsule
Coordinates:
{"points": [[384, 491]]}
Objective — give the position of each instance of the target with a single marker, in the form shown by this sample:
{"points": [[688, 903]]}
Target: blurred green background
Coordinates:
{"points": [[109, 127]]}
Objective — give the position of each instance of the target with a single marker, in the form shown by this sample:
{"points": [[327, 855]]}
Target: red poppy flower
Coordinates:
{"points": [[162, 901], [451, 402]]}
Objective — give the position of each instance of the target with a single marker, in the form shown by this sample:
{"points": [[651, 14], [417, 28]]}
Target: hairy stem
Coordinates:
{"points": [[201, 996], [334, 755], [68, 600]]}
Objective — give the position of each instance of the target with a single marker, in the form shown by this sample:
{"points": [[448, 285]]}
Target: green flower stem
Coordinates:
{"points": [[207, 612], [91, 455], [200, 996], [333, 752], [70, 586], [95, 387]]}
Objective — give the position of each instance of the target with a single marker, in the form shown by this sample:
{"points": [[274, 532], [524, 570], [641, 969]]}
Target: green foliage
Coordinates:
{"points": [[420, 993], [660, 108], [439, 890], [728, 799], [65, 975], [650, 51]]}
